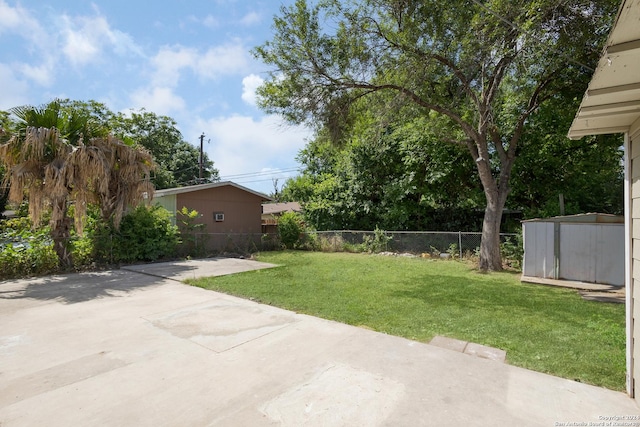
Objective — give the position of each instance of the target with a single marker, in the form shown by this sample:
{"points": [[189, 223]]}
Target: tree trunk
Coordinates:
{"points": [[490, 257], [61, 235]]}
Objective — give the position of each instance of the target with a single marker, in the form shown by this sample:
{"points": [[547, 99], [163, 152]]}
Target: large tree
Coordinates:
{"points": [[399, 179], [481, 67], [177, 161], [54, 157]]}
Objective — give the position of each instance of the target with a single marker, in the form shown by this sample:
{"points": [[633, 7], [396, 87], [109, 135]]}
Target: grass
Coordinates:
{"points": [[546, 329]]}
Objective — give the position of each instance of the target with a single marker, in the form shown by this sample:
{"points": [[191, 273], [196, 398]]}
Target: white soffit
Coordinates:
{"points": [[612, 101]]}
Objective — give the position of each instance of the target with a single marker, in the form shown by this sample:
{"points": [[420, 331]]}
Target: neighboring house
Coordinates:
{"points": [[612, 105], [271, 212], [225, 207]]}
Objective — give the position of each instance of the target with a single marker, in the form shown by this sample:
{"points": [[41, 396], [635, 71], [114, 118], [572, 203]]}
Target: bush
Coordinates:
{"points": [[146, 234], [290, 227], [193, 240], [24, 252], [513, 251], [379, 242]]}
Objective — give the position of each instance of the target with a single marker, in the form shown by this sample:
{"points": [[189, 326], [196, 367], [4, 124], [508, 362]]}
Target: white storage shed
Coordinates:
{"points": [[585, 248]]}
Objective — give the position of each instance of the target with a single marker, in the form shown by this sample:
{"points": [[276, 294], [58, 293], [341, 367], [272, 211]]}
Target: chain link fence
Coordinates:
{"points": [[235, 243], [202, 245], [28, 256], [456, 244]]}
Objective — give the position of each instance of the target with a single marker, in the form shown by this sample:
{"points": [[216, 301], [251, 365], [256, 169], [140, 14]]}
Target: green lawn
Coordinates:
{"points": [[542, 328]]}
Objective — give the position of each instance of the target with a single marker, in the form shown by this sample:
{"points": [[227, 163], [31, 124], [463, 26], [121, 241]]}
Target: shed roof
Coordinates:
{"points": [[199, 187], [588, 218], [611, 103]]}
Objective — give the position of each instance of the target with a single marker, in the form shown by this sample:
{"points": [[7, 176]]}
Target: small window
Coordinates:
{"points": [[218, 216]]}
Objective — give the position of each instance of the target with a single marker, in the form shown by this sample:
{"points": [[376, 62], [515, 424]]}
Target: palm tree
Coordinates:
{"points": [[55, 157]]}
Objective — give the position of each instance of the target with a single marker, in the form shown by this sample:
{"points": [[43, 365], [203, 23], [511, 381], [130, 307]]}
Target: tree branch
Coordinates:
{"points": [[439, 58], [466, 127]]}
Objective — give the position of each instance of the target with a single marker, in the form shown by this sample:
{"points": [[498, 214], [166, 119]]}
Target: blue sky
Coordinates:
{"points": [[189, 60]]}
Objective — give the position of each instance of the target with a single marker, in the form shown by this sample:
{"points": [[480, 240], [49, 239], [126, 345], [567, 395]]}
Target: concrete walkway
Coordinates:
{"points": [[121, 348]]}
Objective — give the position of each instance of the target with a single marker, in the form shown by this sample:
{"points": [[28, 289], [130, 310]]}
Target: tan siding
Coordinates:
{"points": [[636, 228], [635, 149], [634, 287], [634, 132], [242, 210], [635, 245], [635, 205], [635, 170], [636, 269], [635, 189]]}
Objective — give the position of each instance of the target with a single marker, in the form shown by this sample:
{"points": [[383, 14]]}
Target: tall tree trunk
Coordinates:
{"points": [[61, 233], [495, 191], [490, 257]]}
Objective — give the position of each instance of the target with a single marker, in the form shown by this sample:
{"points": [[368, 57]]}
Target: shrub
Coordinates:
{"points": [[146, 234], [24, 252], [379, 242], [191, 243], [290, 227], [513, 251]]}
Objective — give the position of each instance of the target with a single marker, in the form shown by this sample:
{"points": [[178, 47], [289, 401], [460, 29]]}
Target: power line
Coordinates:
{"points": [[261, 173]]}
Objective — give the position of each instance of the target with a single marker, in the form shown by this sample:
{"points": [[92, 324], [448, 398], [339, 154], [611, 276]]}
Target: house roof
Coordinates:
{"points": [[199, 187], [276, 208], [612, 101]]}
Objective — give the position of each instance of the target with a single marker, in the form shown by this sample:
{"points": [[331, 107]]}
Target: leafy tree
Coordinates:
{"points": [[479, 68], [588, 173], [178, 161], [400, 179], [55, 157]]}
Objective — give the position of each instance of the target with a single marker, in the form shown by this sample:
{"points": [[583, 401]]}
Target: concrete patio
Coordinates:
{"points": [[137, 348]]}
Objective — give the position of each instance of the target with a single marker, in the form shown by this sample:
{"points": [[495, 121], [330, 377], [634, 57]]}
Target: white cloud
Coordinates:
{"points": [[169, 61], [86, 38], [215, 62], [19, 20], [223, 60], [251, 18], [241, 144], [249, 86], [42, 74], [160, 100], [210, 21], [14, 91]]}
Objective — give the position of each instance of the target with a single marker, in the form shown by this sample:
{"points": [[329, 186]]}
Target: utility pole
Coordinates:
{"points": [[201, 157]]}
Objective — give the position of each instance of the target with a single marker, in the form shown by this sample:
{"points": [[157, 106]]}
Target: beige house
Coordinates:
{"points": [[225, 207], [612, 105]]}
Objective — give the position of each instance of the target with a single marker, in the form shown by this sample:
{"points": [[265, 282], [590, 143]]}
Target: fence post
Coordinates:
{"points": [[460, 243]]}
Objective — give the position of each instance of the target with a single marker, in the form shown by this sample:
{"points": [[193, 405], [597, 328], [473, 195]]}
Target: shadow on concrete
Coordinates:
{"points": [[79, 287]]}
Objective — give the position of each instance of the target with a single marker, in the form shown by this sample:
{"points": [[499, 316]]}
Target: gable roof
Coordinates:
{"points": [[199, 187], [612, 101]]}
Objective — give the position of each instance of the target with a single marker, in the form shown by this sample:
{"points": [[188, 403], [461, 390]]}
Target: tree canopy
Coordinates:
{"points": [[177, 161], [53, 157], [479, 69]]}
